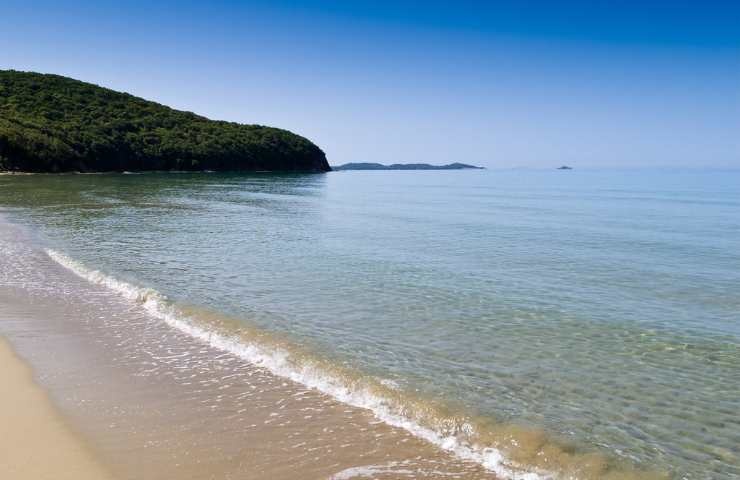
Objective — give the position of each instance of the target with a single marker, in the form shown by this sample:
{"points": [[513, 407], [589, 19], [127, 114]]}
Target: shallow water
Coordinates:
{"points": [[155, 404], [564, 319]]}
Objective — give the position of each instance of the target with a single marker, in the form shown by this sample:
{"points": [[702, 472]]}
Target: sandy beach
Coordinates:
{"points": [[35, 442]]}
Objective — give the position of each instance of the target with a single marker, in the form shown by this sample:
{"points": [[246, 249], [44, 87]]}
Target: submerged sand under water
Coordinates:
{"points": [[174, 411], [165, 391], [157, 402]]}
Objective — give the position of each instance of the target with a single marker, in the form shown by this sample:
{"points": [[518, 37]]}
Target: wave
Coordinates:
{"points": [[510, 452]]}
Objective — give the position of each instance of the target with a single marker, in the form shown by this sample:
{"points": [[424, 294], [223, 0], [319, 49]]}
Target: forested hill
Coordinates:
{"points": [[50, 123]]}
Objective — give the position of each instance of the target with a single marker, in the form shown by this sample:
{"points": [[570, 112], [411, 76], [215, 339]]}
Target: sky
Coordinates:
{"points": [[529, 84]]}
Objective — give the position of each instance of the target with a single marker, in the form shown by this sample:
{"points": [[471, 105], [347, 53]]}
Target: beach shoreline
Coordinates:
{"points": [[151, 402], [37, 443], [141, 366]]}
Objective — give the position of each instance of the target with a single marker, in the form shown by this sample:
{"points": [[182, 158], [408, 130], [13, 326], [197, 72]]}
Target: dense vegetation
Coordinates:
{"points": [[404, 166], [50, 123]]}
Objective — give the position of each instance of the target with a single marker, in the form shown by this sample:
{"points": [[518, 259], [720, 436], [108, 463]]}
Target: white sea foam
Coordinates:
{"points": [[277, 361], [370, 471]]}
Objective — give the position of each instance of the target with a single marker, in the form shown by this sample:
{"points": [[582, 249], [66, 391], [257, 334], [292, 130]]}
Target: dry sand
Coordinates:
{"points": [[35, 442]]}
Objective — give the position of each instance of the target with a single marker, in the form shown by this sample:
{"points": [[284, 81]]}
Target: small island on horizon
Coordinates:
{"points": [[51, 124], [405, 166]]}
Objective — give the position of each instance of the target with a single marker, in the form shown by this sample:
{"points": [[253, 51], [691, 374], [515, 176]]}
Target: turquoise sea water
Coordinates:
{"points": [[602, 307]]}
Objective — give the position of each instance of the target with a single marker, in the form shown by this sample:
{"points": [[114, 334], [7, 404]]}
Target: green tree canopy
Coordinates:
{"points": [[50, 123]]}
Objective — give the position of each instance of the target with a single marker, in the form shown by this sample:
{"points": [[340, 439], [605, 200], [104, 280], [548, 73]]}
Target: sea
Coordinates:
{"points": [[513, 324]]}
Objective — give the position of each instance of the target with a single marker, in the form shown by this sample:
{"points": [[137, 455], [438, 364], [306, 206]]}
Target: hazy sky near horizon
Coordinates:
{"points": [[500, 84]]}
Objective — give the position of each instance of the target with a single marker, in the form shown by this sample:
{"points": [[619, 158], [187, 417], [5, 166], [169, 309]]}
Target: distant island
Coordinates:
{"points": [[565, 167], [50, 123], [404, 166]]}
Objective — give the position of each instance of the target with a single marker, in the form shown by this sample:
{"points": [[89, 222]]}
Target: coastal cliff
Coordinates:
{"points": [[50, 123]]}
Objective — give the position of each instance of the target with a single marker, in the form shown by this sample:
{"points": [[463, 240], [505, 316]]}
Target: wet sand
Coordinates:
{"points": [[36, 442]]}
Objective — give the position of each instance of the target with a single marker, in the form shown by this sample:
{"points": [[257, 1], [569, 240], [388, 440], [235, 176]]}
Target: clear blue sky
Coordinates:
{"points": [[502, 84]]}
